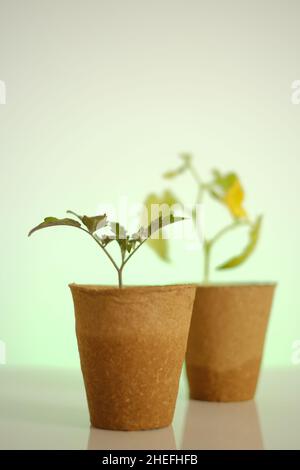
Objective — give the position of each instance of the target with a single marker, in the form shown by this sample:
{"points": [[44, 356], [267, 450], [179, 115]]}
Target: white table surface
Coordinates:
{"points": [[46, 409]]}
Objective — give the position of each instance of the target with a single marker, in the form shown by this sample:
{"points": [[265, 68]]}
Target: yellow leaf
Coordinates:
{"points": [[234, 200]]}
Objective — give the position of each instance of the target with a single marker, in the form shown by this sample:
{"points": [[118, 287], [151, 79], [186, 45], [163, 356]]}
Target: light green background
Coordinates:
{"points": [[101, 96]]}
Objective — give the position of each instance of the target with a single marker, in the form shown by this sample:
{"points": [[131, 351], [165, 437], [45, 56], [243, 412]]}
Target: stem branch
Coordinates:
{"points": [[132, 253], [119, 270], [208, 244], [227, 229]]}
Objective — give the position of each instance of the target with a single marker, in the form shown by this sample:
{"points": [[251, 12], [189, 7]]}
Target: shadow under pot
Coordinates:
{"points": [[226, 340], [132, 343]]}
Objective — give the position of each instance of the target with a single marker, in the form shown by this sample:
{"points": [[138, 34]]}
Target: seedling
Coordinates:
{"points": [[226, 189], [104, 232]]}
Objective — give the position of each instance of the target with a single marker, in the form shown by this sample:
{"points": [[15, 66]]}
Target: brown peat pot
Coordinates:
{"points": [[132, 343], [226, 340]]}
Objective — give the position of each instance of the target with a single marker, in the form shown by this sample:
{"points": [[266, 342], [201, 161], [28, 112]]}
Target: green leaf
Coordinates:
{"points": [[119, 234], [248, 250], [105, 240], [92, 223], [158, 224], [123, 246], [186, 158], [131, 245], [168, 175], [221, 183], [160, 245], [224, 181], [167, 198], [53, 221], [228, 190]]}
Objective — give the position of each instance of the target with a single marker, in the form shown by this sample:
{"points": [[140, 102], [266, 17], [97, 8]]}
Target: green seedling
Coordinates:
{"points": [[225, 189], [98, 226]]}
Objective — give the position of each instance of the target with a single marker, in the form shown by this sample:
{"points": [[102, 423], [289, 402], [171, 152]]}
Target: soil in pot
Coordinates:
{"points": [[226, 340], [132, 343]]}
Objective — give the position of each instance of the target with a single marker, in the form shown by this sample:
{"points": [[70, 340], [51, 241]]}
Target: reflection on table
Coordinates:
{"points": [[156, 439], [222, 426], [47, 409]]}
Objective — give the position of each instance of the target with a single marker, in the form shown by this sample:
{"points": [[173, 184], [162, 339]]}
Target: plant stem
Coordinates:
{"points": [[119, 270], [200, 194], [106, 252], [206, 252], [195, 174], [198, 181], [227, 229], [120, 278]]}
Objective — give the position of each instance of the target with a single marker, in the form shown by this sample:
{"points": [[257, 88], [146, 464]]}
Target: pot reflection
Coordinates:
{"points": [[154, 439], [222, 426]]}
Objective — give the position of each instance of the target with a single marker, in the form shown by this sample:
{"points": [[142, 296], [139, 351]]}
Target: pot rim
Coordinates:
{"points": [[98, 288], [245, 284]]}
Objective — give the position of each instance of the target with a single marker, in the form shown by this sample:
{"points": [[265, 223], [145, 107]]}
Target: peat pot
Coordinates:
{"points": [[132, 343], [226, 340]]}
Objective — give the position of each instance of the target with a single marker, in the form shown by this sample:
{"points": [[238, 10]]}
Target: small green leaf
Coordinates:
{"points": [[160, 245], [92, 223], [253, 238], [166, 199], [131, 245], [224, 181], [105, 240], [221, 183], [118, 234], [53, 221], [123, 245], [168, 175], [158, 224], [186, 158]]}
